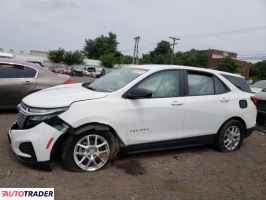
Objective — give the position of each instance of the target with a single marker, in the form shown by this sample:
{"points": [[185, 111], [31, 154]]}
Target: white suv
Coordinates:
{"points": [[134, 109]]}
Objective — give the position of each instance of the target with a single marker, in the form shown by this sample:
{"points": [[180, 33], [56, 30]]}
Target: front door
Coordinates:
{"points": [[160, 117]]}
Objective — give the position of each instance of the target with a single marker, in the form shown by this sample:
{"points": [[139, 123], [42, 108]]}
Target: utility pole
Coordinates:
{"points": [[173, 48], [136, 51]]}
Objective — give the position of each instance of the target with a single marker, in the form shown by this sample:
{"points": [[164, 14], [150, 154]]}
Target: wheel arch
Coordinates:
{"points": [[95, 126], [235, 118]]}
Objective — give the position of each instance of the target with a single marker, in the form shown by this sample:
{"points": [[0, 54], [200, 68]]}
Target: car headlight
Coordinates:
{"points": [[44, 114]]}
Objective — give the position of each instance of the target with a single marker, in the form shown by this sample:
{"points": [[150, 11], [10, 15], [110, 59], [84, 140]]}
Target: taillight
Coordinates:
{"points": [[67, 82], [254, 99]]}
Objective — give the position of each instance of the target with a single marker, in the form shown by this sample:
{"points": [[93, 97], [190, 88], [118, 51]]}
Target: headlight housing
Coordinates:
{"points": [[33, 116]]}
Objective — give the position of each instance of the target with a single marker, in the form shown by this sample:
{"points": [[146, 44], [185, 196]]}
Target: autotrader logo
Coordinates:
{"points": [[27, 193]]}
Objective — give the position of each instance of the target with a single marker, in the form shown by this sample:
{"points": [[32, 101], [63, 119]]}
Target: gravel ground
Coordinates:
{"points": [[190, 173]]}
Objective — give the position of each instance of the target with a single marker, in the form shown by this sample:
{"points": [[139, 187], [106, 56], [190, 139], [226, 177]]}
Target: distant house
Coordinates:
{"points": [[215, 56]]}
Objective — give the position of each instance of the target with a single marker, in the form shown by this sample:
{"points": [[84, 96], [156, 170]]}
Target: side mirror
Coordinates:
{"points": [[139, 93]]}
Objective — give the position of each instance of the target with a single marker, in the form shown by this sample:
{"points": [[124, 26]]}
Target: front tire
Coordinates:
{"points": [[89, 151], [230, 136]]}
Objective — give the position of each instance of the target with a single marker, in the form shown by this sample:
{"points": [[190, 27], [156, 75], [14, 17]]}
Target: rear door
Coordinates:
{"points": [[12, 85], [30, 77], [209, 102]]}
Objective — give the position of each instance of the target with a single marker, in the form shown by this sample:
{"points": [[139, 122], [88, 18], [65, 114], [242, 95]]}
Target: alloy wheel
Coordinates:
{"points": [[91, 152], [232, 137]]}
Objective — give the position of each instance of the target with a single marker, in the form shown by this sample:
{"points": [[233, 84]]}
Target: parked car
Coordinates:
{"points": [[258, 86], [60, 70], [134, 109], [76, 72], [95, 72], [18, 79]]}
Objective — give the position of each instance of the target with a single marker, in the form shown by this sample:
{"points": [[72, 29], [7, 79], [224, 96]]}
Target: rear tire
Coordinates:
{"points": [[89, 151], [230, 136]]}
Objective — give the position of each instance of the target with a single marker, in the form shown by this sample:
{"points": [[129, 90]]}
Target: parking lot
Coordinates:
{"points": [[190, 173]]}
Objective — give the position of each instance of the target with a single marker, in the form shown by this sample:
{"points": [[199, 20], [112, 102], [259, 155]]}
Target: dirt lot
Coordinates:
{"points": [[191, 173]]}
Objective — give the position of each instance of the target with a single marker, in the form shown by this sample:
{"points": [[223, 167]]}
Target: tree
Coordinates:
{"points": [[108, 60], [75, 57], [162, 47], [160, 55], [67, 57], [258, 70], [100, 46], [227, 64], [125, 59], [192, 58], [56, 56]]}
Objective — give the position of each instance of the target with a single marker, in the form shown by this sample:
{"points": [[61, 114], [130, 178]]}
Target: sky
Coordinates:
{"points": [[50, 24]]}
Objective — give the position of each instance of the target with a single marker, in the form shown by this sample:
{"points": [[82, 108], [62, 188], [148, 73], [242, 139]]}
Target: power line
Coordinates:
{"points": [[215, 34], [232, 32]]}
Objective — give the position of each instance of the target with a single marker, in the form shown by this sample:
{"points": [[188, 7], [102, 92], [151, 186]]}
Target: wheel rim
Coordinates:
{"points": [[232, 137], [91, 152]]}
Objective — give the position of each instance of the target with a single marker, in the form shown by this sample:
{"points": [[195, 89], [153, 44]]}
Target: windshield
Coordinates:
{"points": [[260, 84], [116, 80]]}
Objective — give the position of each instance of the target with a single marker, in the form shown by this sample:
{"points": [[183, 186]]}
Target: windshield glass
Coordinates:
{"points": [[260, 84], [116, 79]]}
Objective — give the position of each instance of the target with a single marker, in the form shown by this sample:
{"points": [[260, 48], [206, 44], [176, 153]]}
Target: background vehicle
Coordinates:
{"points": [[134, 109], [95, 72], [261, 107], [258, 86], [60, 70], [75, 71], [18, 79]]}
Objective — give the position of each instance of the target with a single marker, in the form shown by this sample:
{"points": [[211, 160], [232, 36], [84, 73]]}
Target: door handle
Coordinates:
{"points": [[224, 100], [27, 83], [176, 103]]}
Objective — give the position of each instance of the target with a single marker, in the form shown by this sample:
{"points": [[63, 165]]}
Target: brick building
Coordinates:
{"points": [[215, 56]]}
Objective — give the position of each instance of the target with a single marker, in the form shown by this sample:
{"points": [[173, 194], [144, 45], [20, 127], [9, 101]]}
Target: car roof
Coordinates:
{"points": [[21, 62], [160, 67]]}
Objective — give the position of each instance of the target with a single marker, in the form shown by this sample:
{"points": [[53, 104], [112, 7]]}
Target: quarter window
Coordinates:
{"points": [[29, 72], [11, 71], [220, 86], [162, 84]]}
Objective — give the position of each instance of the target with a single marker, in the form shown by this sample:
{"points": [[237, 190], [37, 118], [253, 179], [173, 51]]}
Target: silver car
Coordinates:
{"points": [[18, 79]]}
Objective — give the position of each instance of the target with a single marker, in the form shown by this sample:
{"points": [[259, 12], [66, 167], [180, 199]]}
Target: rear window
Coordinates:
{"points": [[238, 82]]}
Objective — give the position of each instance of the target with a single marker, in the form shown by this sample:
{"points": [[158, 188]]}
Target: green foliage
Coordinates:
{"points": [[100, 46], [160, 55], [227, 64], [56, 56], [67, 57], [75, 57], [258, 70], [192, 58], [125, 59], [108, 60], [162, 48]]}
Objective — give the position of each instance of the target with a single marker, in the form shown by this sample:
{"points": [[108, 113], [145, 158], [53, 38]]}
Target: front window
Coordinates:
{"points": [[116, 79], [162, 84]]}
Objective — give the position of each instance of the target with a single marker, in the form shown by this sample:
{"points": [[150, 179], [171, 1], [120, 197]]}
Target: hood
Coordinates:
{"points": [[61, 96], [255, 90]]}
